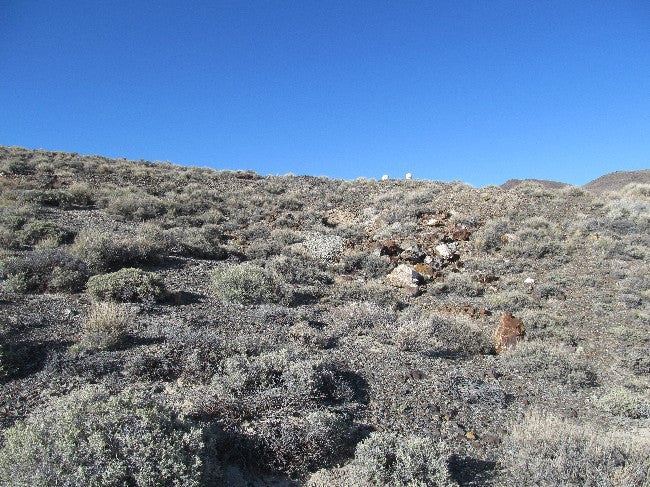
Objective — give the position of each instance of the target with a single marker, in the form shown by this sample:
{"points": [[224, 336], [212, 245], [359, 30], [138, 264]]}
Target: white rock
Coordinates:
{"points": [[529, 280], [409, 175], [404, 276], [384, 177], [444, 251]]}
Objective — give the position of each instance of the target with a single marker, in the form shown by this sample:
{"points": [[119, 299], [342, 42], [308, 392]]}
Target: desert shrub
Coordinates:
{"points": [[204, 243], [511, 300], [489, 237], [133, 204], [535, 239], [369, 265], [75, 196], [460, 284], [387, 459], [244, 283], [635, 191], [298, 270], [297, 445], [623, 402], [105, 325], [43, 271], [264, 243], [544, 450], [550, 362], [458, 335], [91, 437], [127, 285], [256, 385], [362, 315], [103, 251]]}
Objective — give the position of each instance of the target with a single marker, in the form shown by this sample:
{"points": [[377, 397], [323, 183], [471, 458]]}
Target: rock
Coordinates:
{"points": [[405, 277], [508, 237], [425, 270], [389, 248], [413, 254], [460, 233], [444, 251], [469, 435], [408, 175], [530, 281], [509, 332], [384, 177]]}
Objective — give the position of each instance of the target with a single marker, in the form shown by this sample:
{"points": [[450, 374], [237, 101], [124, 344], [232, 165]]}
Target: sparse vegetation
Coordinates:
{"points": [[296, 330], [544, 450]]}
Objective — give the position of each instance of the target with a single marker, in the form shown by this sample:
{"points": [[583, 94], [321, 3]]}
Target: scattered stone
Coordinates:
{"points": [[444, 251], [485, 278], [510, 331], [469, 435], [389, 248], [508, 237], [413, 255], [426, 271], [405, 277], [529, 280]]}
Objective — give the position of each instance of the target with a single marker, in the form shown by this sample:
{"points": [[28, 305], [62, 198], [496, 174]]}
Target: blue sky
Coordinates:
{"points": [[478, 91]]}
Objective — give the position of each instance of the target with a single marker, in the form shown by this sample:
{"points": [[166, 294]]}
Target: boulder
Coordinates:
{"points": [[405, 277], [510, 331]]}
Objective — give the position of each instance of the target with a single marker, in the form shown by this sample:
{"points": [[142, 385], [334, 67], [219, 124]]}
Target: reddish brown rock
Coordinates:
{"points": [[389, 248], [508, 333], [460, 233], [426, 270]]}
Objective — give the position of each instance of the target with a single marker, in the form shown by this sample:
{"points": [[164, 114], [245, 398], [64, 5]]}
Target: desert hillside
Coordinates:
{"points": [[168, 325]]}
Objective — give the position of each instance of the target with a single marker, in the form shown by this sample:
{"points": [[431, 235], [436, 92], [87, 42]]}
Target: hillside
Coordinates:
{"points": [[168, 325], [511, 183], [616, 181]]}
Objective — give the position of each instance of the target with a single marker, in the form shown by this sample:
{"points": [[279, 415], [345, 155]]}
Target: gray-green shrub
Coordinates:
{"points": [[387, 459], [91, 437], [545, 450], [127, 285], [244, 283]]}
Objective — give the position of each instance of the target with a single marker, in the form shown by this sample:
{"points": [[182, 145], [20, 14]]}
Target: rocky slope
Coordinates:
{"points": [[327, 332]]}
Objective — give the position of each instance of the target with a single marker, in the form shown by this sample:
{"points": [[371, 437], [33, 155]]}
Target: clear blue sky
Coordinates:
{"points": [[477, 91]]}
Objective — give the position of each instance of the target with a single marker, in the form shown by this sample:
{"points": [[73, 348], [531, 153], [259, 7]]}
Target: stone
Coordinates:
{"points": [[530, 281], [425, 270], [384, 177], [444, 251], [510, 331], [469, 435], [389, 248], [413, 254], [460, 233], [405, 277]]}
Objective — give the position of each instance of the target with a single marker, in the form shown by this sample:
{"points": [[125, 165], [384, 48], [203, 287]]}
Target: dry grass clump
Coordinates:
{"points": [[92, 437], [555, 363], [544, 450], [623, 402], [127, 285], [360, 316], [105, 326]]}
